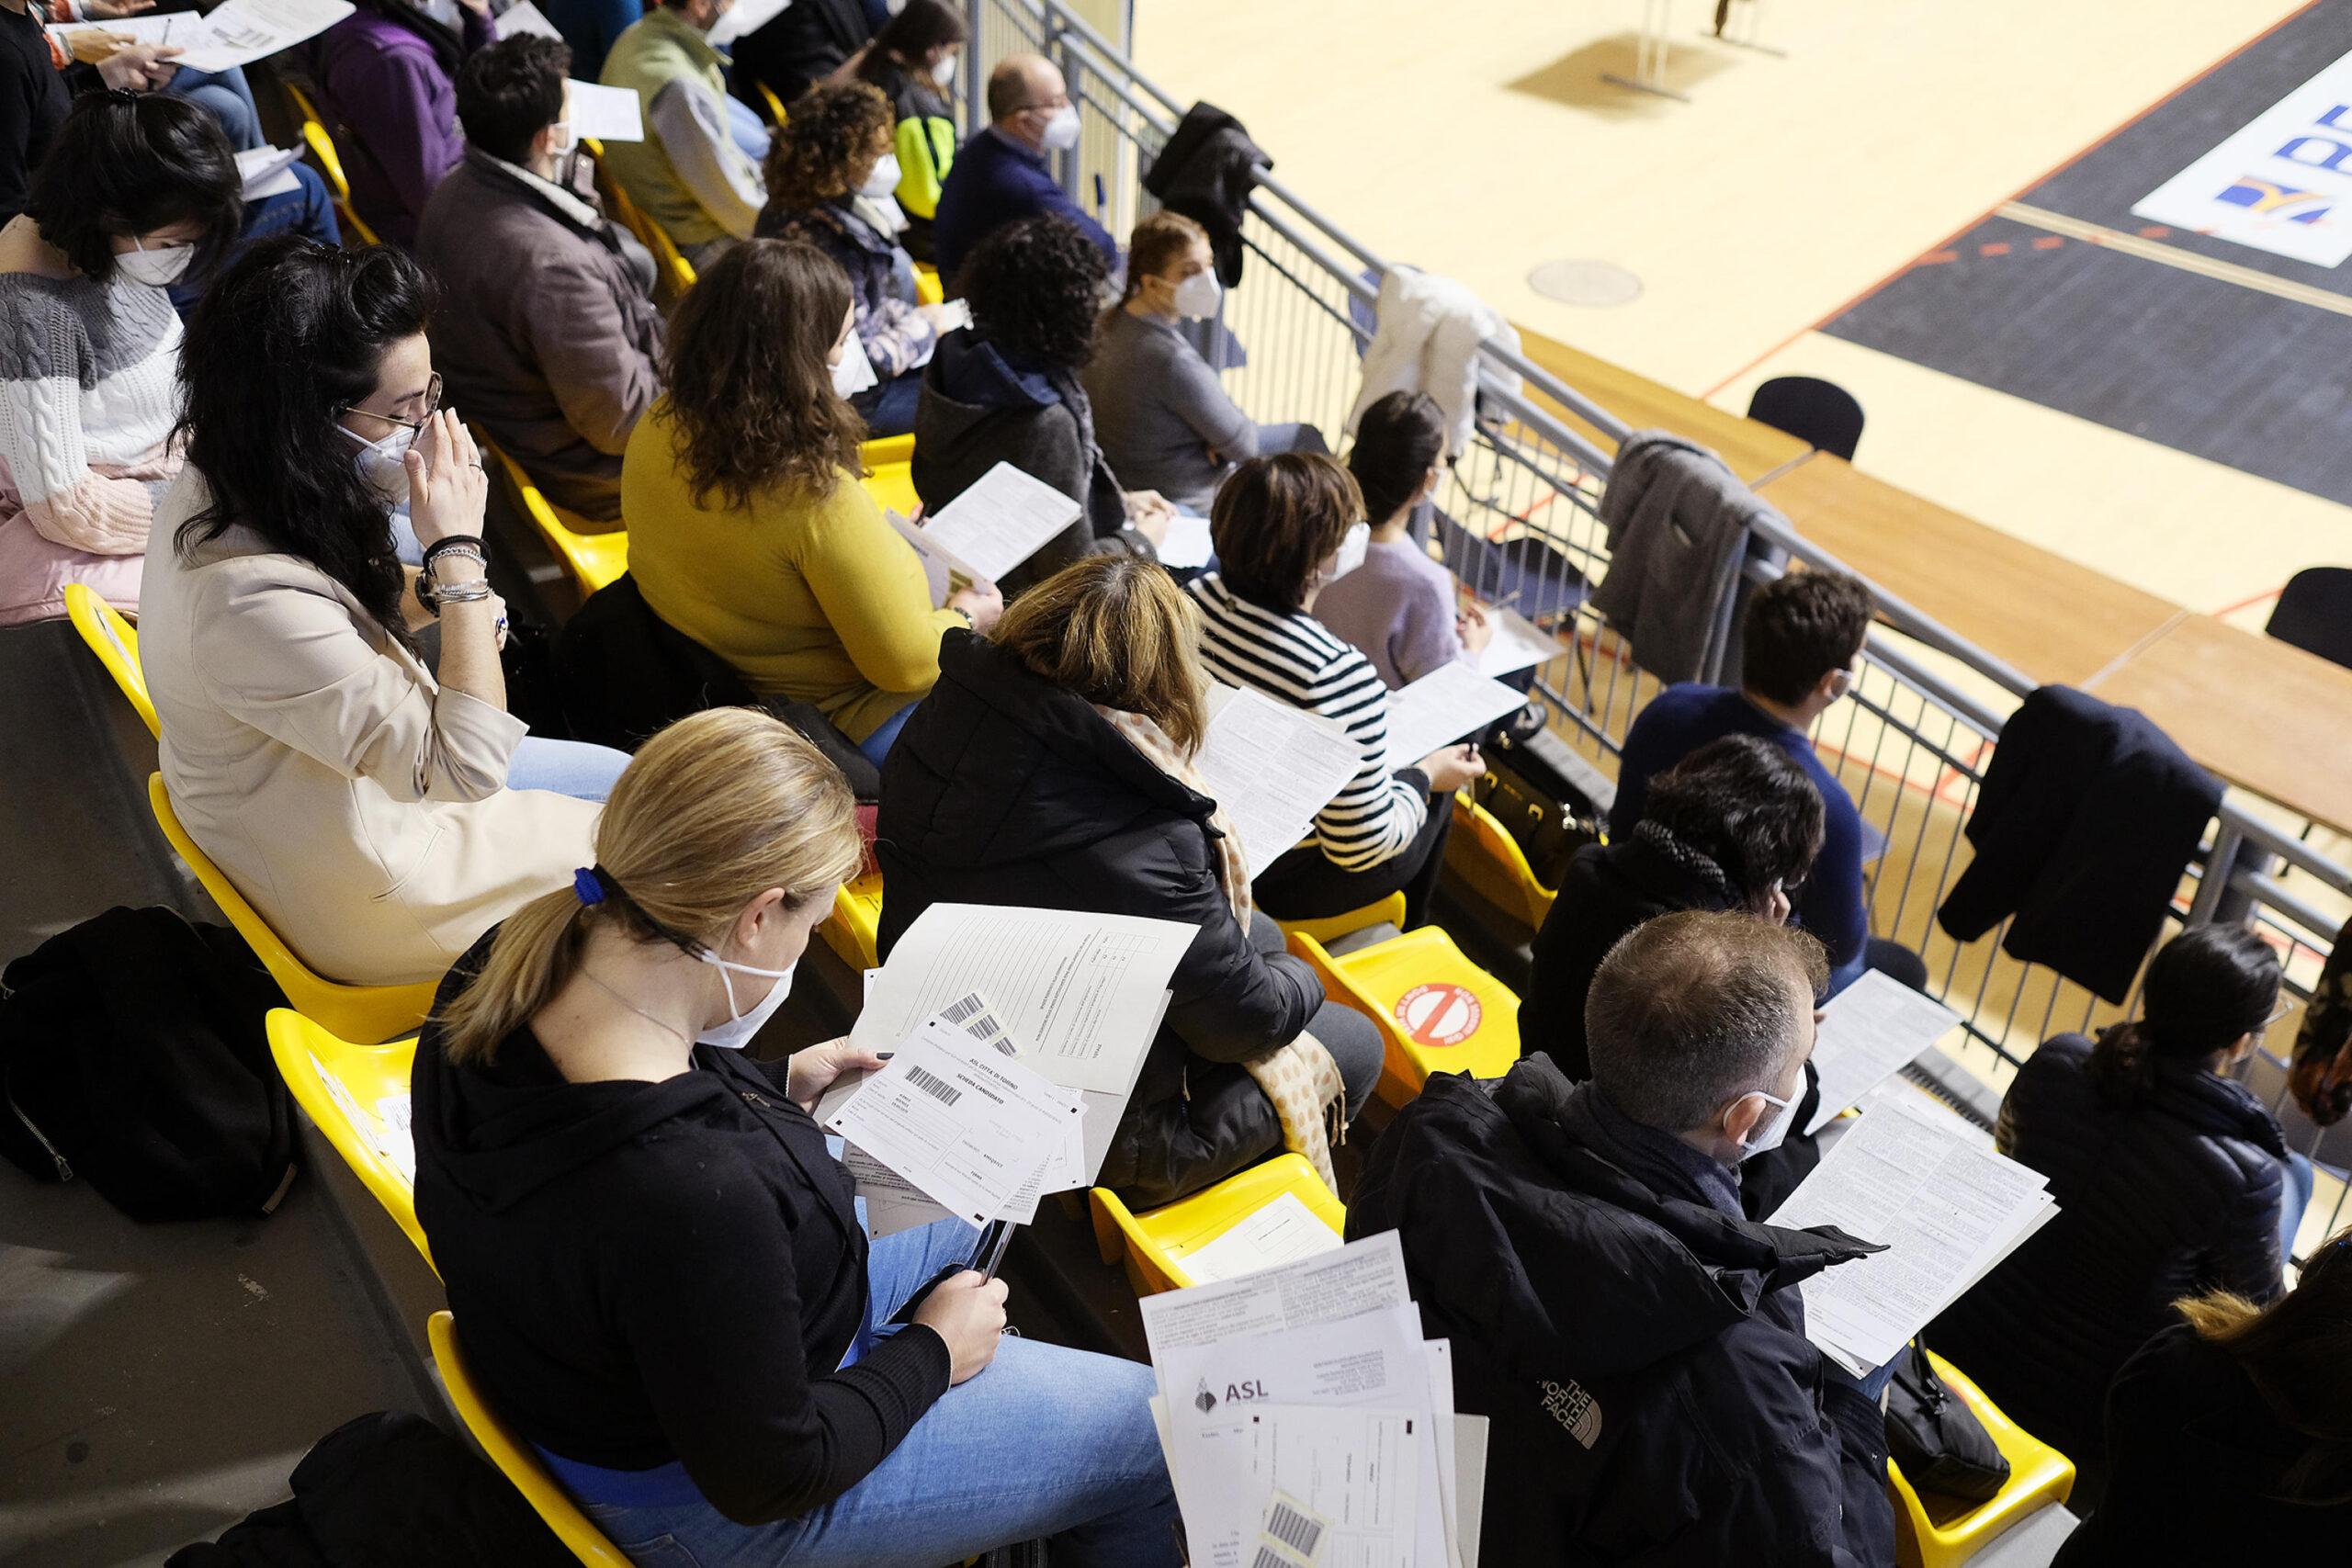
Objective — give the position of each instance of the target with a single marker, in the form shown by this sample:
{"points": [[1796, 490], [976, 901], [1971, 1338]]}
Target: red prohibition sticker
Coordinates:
{"points": [[1439, 1013]]}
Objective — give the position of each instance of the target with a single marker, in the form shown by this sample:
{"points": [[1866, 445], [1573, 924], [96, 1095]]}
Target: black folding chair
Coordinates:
{"points": [[2314, 612], [1820, 414]]}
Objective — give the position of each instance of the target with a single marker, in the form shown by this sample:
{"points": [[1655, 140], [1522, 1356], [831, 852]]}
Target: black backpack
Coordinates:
{"points": [[132, 1056]]}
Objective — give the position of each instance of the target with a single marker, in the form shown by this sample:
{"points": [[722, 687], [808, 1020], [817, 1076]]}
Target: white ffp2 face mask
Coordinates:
{"points": [[1197, 297], [1766, 1135], [741, 1026], [883, 179], [158, 269], [1061, 132], [854, 373], [383, 464], [943, 69]]}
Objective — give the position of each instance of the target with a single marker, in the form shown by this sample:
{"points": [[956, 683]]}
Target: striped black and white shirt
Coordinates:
{"points": [[1293, 659]]}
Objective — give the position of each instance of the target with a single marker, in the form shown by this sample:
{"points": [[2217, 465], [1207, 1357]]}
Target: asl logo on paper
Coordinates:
{"points": [[1204, 1401], [1440, 1013]]}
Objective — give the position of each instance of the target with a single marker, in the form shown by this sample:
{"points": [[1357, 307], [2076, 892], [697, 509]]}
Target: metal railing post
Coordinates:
{"points": [[976, 69], [1065, 58]]}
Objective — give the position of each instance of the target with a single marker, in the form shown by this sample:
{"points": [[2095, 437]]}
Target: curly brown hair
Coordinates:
{"points": [[750, 399], [835, 135]]}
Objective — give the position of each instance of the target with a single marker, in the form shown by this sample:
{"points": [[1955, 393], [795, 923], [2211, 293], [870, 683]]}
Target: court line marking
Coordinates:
{"points": [[2172, 256]]}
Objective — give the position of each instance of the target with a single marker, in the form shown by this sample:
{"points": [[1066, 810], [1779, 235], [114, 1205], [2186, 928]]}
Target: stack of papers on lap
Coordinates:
{"points": [[1002, 520], [1306, 1421], [1271, 767], [1870, 1031], [267, 171], [1447, 705], [1915, 1178], [1283, 1232], [242, 31]]}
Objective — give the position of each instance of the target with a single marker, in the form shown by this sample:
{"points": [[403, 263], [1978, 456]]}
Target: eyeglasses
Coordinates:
{"points": [[431, 407]]}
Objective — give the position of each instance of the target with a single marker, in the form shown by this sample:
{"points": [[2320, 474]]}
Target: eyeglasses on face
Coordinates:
{"points": [[430, 398]]}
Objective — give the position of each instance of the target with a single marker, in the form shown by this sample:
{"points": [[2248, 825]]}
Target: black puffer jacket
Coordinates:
{"points": [[2175, 1195], [1004, 789], [1641, 1354]]}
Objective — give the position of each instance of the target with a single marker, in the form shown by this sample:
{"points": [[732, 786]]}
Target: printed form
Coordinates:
{"points": [[1869, 1032], [1271, 767], [242, 31], [1283, 1232], [608, 114], [1002, 520], [1518, 643], [1441, 708]]}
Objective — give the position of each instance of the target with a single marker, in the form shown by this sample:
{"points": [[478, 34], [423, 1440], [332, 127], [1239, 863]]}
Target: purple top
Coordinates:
{"points": [[393, 109], [1397, 609]]}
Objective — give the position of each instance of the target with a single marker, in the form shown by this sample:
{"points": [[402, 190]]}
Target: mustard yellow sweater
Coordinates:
{"points": [[817, 600]]}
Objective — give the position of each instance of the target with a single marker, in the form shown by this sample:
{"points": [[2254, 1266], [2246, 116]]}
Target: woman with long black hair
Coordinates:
{"points": [[378, 814]]}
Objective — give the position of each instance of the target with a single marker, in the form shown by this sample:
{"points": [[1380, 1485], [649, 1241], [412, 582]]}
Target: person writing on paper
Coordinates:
{"points": [[696, 173], [748, 531], [1798, 642], [1003, 176], [2171, 1178], [387, 77], [1008, 389], [653, 1260], [1163, 416], [136, 193], [547, 333], [2231, 1433], [1638, 1342], [913, 60], [1400, 609], [378, 814], [1277, 527], [1053, 767], [828, 162]]}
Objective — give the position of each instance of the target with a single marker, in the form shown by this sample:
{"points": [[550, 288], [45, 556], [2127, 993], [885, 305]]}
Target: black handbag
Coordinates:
{"points": [[1936, 1438], [1542, 810]]}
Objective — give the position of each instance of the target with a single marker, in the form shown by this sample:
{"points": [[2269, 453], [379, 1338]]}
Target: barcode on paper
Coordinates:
{"points": [[939, 1088], [1294, 1529], [962, 1007], [1269, 1558]]}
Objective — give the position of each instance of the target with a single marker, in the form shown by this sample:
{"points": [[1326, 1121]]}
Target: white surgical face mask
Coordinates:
{"points": [[382, 463], [1766, 1135], [883, 179], [561, 139], [943, 69], [1197, 296], [854, 373], [741, 1026], [1061, 132], [158, 269]]}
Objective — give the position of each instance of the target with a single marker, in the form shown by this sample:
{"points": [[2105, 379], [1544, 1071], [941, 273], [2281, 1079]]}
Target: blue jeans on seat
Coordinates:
{"points": [[1045, 1443], [889, 408], [306, 209], [876, 746], [2294, 1196], [227, 96], [566, 767]]}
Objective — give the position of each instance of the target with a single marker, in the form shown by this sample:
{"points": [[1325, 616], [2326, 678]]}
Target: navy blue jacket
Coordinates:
{"points": [[997, 181], [1687, 716]]}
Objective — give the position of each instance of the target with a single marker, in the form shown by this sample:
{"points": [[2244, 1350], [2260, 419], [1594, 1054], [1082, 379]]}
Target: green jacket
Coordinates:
{"points": [[652, 53]]}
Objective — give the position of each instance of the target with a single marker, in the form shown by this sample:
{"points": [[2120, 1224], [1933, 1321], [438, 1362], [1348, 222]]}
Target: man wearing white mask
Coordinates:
{"points": [[547, 332], [830, 174], [1002, 174], [1638, 1342], [1160, 413]]}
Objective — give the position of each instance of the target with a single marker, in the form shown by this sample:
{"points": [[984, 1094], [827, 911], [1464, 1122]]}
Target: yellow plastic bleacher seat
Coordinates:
{"points": [[321, 142], [928, 290], [854, 928], [594, 560], [116, 642], [357, 1095], [777, 116], [892, 485], [670, 266], [354, 1012], [887, 449], [514, 1457], [1930, 1535], [1438, 1013], [1154, 1244], [1388, 911], [1481, 852]]}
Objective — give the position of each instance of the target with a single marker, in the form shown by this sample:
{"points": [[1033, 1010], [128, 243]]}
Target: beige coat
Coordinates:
{"points": [[360, 808]]}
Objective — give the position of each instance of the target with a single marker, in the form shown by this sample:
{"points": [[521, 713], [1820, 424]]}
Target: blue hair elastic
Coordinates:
{"points": [[587, 886]]}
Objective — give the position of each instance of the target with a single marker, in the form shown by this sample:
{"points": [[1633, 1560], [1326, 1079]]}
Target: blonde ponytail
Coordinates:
{"points": [[710, 814]]}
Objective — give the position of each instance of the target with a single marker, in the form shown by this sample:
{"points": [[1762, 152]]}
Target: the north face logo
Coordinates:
{"points": [[1575, 1409]]}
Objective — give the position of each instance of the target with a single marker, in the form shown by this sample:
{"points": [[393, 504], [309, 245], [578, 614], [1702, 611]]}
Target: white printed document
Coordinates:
{"points": [[1449, 704], [1518, 644], [608, 114], [1187, 545], [1082, 994], [1364, 1275], [267, 171], [1869, 1032], [1283, 1232], [1002, 520], [966, 1125], [242, 31], [944, 572], [1272, 767], [524, 17], [1915, 1178], [743, 18]]}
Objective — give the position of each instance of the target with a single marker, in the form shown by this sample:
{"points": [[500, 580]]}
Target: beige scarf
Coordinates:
{"points": [[1300, 1078]]}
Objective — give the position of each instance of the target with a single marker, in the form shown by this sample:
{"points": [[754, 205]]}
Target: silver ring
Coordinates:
{"points": [[475, 467]]}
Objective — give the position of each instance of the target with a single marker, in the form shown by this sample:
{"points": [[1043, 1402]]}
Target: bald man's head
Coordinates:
{"points": [[1023, 91]]}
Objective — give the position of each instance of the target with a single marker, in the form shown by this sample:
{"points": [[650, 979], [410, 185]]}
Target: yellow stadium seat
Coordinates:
{"points": [[594, 560], [356, 1012], [671, 269], [1483, 853], [116, 642], [892, 485], [357, 1095], [885, 449], [928, 290], [1388, 911], [321, 142], [774, 105], [854, 928], [1153, 1244], [513, 1457], [1438, 1013], [1928, 1534]]}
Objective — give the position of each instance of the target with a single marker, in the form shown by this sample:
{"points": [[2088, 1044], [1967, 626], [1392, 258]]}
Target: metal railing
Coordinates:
{"points": [[1518, 522]]}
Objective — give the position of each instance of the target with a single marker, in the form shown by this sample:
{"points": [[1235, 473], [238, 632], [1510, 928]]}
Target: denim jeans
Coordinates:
{"points": [[305, 210], [227, 96], [889, 408], [566, 767], [2294, 1196], [1045, 1443], [876, 746]]}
